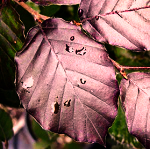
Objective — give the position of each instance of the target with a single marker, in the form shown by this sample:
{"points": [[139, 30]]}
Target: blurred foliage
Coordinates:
{"points": [[49, 10], [50, 140], [6, 131], [25, 17], [1, 145]]}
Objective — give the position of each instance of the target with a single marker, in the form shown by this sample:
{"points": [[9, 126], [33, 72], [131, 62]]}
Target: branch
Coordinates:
{"points": [[38, 17], [122, 69], [114, 12]]}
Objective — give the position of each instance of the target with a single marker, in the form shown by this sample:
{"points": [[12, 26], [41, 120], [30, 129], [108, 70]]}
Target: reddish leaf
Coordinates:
{"points": [[130, 29], [67, 82], [62, 2], [135, 95]]}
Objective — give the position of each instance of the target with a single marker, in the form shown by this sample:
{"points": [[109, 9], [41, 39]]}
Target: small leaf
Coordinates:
{"points": [[5, 126], [61, 2], [135, 95], [129, 30], [74, 90], [11, 41]]}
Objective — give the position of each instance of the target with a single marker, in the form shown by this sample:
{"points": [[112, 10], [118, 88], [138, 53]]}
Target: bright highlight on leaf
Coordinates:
{"points": [[27, 83], [73, 89]]}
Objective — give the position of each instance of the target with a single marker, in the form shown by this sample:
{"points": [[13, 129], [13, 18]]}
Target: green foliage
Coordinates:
{"points": [[5, 126], [72, 145], [127, 57], [120, 132], [11, 39], [49, 10], [39, 132], [41, 145], [44, 138]]}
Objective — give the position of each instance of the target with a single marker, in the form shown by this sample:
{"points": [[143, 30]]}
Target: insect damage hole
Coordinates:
{"points": [[56, 107], [72, 38], [69, 49], [28, 83], [81, 51], [82, 81], [67, 103]]}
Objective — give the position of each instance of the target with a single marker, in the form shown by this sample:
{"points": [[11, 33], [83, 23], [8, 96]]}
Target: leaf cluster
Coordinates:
{"points": [[64, 69]]}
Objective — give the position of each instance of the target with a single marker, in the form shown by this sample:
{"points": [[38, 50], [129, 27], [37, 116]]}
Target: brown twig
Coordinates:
{"points": [[119, 68], [38, 17], [122, 69]]}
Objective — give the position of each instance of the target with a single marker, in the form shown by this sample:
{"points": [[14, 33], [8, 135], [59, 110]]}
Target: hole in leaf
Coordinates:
{"points": [[67, 103], [69, 49], [82, 81], [81, 51], [56, 107], [28, 83], [72, 38]]}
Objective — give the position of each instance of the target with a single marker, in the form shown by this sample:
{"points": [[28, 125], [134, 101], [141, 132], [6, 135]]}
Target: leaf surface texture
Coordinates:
{"points": [[67, 81], [135, 95], [128, 29]]}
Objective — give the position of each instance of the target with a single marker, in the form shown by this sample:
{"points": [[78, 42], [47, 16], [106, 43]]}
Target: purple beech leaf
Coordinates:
{"points": [[129, 30], [61, 2], [67, 81], [135, 95]]}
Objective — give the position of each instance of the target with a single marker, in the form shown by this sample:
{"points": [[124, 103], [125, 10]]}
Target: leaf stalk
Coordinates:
{"points": [[38, 17], [122, 69]]}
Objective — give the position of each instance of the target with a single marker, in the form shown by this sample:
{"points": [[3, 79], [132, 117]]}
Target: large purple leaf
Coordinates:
{"points": [[130, 29], [62, 2], [67, 82], [135, 95]]}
